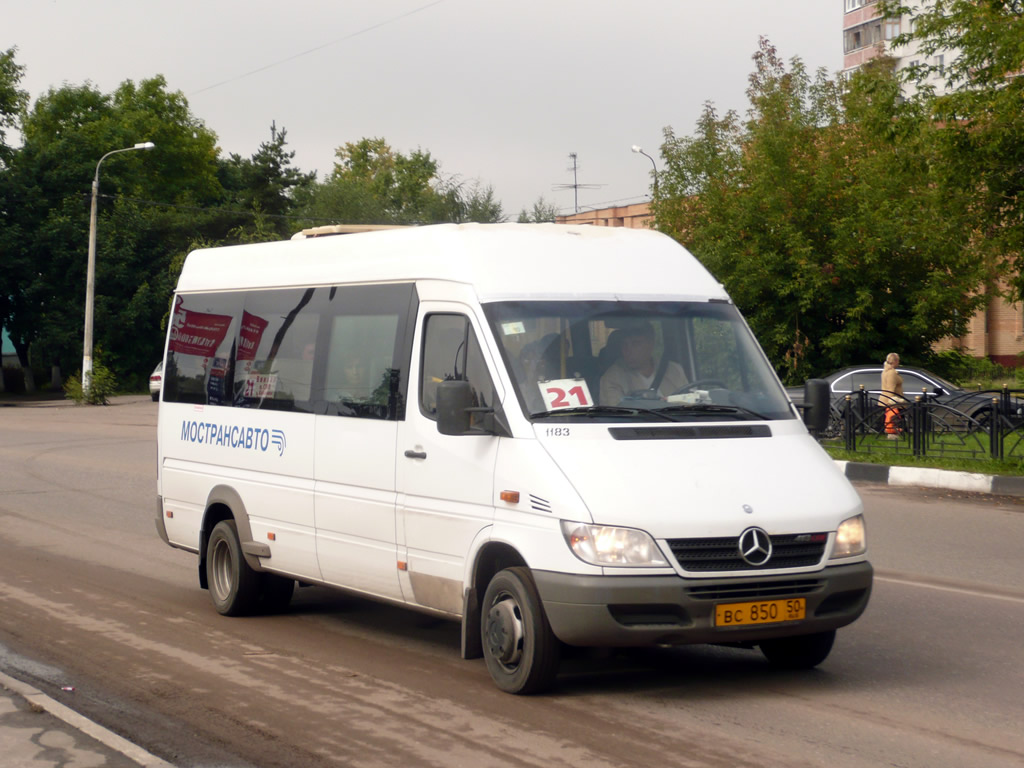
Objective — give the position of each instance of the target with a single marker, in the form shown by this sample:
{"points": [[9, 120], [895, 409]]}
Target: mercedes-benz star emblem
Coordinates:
{"points": [[755, 546]]}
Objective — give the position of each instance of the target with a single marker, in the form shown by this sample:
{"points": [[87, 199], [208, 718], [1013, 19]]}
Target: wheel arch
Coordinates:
{"points": [[490, 558], [224, 503]]}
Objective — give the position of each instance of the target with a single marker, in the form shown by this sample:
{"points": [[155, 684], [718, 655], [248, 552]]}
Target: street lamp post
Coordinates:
{"points": [[90, 278], [639, 151]]}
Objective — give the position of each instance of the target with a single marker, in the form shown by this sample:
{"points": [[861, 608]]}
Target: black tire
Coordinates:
{"points": [[521, 651], [800, 652], [275, 593], [234, 586]]}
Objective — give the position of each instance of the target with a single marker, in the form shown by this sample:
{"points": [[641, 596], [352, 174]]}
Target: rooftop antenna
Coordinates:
{"points": [[575, 186]]}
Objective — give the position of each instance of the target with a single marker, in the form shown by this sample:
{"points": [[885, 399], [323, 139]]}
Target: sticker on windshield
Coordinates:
{"points": [[513, 329], [565, 393]]}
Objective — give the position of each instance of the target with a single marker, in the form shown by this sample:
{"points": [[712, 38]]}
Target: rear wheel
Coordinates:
{"points": [[521, 651], [800, 652], [234, 586]]}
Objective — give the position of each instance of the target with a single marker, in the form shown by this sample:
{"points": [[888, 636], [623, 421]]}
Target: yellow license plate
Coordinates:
{"points": [[760, 612]]}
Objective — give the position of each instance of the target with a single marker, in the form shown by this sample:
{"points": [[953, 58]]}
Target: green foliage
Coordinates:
{"points": [[822, 216], [102, 385], [481, 205], [985, 466], [542, 211], [267, 185], [12, 99], [373, 184], [46, 200], [969, 371], [156, 206], [981, 149]]}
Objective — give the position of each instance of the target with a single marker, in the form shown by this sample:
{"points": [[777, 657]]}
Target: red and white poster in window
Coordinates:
{"points": [[249, 336], [196, 333]]}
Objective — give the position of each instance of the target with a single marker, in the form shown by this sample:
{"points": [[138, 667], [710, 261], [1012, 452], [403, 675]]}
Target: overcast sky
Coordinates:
{"points": [[496, 90]]}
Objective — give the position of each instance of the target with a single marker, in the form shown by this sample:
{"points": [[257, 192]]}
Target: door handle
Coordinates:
{"points": [[416, 454]]}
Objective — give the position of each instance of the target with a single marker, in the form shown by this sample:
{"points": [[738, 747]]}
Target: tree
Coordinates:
{"points": [[373, 184], [542, 211], [823, 217], [481, 204], [981, 148], [47, 202], [12, 102], [266, 183], [378, 185]]}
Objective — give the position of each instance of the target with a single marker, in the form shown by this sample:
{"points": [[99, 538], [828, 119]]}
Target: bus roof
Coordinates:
{"points": [[501, 261]]}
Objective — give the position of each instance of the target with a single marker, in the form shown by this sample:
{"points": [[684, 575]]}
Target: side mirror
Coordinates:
{"points": [[454, 399], [817, 405]]}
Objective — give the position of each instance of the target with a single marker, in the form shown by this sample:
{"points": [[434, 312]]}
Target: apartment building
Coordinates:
{"points": [[867, 35]]}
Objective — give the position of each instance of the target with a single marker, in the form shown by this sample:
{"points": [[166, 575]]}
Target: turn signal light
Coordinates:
{"points": [[512, 497]]}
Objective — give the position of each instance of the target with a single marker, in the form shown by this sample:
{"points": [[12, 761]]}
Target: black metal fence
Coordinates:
{"points": [[970, 425]]}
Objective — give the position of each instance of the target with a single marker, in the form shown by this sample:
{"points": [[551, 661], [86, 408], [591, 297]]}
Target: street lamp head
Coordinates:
{"points": [[636, 148], [145, 145]]}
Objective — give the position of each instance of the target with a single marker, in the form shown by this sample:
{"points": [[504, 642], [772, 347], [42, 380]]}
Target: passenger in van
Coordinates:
{"points": [[636, 370], [540, 361]]}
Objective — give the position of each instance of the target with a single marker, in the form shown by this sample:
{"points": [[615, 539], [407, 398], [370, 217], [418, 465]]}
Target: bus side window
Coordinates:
{"points": [[358, 380]]}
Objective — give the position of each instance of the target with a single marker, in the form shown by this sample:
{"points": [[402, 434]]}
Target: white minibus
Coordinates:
{"points": [[556, 435]]}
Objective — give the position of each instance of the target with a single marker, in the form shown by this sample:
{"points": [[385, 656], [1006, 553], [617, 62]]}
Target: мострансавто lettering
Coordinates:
{"points": [[208, 433]]}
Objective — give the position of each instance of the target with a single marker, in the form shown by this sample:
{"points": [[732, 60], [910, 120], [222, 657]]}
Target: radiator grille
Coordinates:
{"points": [[796, 550]]}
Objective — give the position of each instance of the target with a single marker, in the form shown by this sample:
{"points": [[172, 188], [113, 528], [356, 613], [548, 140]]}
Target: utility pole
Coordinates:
{"points": [[575, 186]]}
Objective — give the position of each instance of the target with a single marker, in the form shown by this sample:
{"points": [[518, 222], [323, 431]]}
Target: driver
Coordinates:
{"points": [[635, 370]]}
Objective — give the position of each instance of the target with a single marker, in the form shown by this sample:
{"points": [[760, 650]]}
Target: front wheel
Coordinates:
{"points": [[234, 586], [521, 651], [800, 652]]}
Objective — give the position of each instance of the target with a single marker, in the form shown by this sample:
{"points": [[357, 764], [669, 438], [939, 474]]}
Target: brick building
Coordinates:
{"points": [[629, 216]]}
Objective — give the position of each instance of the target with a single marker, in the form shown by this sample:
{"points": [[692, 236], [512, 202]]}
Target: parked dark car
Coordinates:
{"points": [[916, 381]]}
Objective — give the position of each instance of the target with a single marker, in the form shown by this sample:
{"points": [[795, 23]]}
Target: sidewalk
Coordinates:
{"points": [[35, 730], [51, 400], [926, 477]]}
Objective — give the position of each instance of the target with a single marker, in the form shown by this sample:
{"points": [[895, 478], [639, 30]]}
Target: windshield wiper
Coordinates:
{"points": [[731, 410], [600, 410]]}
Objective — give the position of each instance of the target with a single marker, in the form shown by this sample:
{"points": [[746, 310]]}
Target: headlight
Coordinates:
{"points": [[850, 538], [605, 545]]}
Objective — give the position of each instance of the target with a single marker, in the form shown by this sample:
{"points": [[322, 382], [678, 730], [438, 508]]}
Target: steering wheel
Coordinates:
{"points": [[700, 384]]}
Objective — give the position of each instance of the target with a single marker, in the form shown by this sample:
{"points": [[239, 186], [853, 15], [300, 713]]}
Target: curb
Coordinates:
{"points": [[106, 737], [926, 477]]}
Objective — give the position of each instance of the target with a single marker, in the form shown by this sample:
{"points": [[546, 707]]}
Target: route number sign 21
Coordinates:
{"points": [[565, 393]]}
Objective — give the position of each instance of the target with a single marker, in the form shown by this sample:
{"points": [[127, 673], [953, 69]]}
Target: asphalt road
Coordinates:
{"points": [[90, 599]]}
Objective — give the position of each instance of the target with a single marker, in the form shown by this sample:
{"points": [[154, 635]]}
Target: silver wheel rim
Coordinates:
{"points": [[504, 632], [221, 570]]}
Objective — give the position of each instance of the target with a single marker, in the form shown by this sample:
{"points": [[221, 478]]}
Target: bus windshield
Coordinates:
{"points": [[626, 360]]}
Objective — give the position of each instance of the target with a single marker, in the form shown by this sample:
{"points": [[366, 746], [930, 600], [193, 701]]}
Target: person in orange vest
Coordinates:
{"points": [[892, 395]]}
